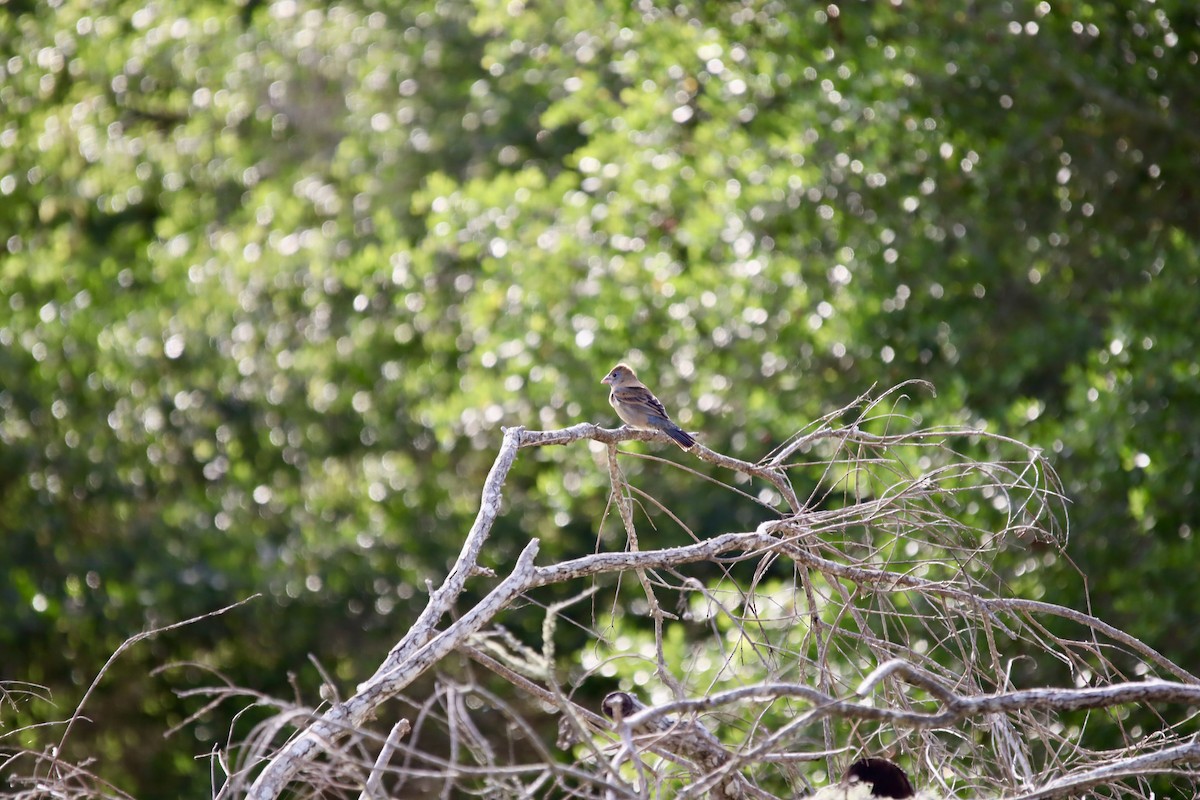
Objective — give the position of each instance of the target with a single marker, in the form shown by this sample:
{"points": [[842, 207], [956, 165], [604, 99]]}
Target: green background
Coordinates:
{"points": [[274, 275]]}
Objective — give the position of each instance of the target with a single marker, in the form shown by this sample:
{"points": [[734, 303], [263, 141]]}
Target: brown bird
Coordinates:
{"points": [[637, 406], [886, 779]]}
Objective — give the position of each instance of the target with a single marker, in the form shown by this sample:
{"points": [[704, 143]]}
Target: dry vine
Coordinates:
{"points": [[864, 618], [867, 618]]}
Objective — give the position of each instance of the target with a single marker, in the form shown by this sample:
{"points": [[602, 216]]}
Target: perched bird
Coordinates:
{"points": [[886, 779], [622, 705], [637, 405]]}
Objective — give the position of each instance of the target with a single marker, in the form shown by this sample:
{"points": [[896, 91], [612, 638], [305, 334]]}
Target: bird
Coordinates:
{"points": [[886, 779], [620, 706], [637, 406]]}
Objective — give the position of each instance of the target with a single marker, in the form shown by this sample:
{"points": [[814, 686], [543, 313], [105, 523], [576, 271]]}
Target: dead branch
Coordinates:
{"points": [[884, 573]]}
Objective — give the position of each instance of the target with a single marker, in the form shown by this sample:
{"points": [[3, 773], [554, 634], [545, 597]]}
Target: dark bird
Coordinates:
{"points": [[620, 705], [638, 407], [886, 779]]}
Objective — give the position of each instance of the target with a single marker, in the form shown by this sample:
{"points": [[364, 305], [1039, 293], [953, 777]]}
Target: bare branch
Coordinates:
{"points": [[373, 790], [878, 569], [956, 707]]}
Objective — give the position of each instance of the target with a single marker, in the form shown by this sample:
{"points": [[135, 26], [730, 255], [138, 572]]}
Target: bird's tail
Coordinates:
{"points": [[681, 437]]}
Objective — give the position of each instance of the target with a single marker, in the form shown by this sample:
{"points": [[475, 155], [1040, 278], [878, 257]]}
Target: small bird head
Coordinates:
{"points": [[620, 375], [620, 705]]}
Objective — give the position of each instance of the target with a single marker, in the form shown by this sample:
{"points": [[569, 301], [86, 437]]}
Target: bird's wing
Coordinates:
{"points": [[641, 399]]}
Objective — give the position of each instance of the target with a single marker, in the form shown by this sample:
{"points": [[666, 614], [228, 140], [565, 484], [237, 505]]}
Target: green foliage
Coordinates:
{"points": [[274, 276]]}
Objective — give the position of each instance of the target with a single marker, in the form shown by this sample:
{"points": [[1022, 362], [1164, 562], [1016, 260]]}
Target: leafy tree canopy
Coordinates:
{"points": [[275, 274]]}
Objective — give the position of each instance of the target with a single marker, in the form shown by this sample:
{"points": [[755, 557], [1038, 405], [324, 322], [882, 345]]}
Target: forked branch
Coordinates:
{"points": [[887, 569]]}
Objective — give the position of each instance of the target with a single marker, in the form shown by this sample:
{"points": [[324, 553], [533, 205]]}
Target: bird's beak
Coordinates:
{"points": [[607, 379]]}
